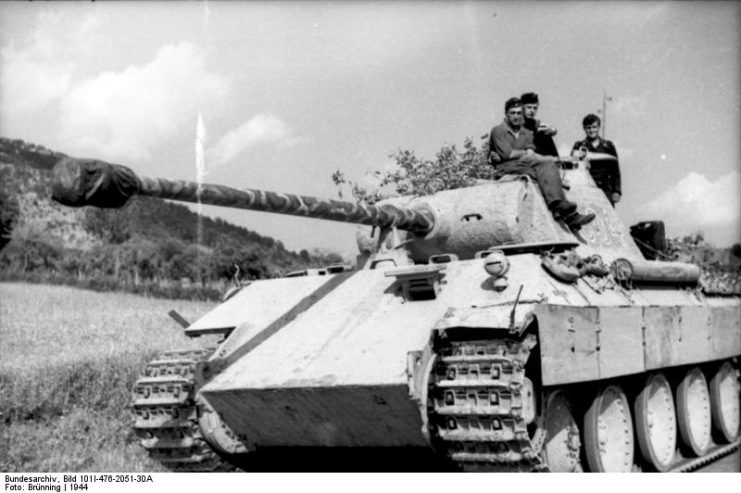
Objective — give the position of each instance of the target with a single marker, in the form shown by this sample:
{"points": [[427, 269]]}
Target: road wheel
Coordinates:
{"points": [[656, 422], [562, 445], [608, 432], [724, 402], [693, 411]]}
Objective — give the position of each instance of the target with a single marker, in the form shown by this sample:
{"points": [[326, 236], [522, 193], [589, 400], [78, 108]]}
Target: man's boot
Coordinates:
{"points": [[575, 220], [562, 208]]}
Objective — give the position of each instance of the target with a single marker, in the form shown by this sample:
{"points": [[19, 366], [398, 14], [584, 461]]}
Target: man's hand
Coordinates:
{"points": [[547, 129], [615, 197], [580, 153]]}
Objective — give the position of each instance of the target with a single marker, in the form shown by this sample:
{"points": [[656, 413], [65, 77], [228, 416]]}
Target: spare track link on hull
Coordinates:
{"points": [[166, 415], [476, 405]]}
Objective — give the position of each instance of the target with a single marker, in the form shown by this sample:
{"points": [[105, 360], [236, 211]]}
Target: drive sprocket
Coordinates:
{"points": [[166, 414]]}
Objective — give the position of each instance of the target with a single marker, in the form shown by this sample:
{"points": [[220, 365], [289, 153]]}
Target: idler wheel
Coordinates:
{"points": [[562, 445], [656, 422], [608, 432], [217, 433], [725, 395], [693, 411]]}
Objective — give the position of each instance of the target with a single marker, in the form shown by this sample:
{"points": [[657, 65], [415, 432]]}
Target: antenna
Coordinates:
{"points": [[603, 112]]}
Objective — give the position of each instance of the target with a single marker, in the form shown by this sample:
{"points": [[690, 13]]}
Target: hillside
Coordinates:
{"points": [[149, 242]]}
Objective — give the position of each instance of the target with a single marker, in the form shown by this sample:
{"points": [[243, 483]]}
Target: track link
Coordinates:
{"points": [[716, 453], [478, 405], [478, 411], [166, 414]]}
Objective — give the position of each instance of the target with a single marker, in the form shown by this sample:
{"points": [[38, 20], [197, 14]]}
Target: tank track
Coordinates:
{"points": [[476, 410], [166, 415], [718, 452], [476, 406]]}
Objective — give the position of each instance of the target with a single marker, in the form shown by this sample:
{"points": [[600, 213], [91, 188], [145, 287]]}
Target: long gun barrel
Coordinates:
{"points": [[81, 182]]}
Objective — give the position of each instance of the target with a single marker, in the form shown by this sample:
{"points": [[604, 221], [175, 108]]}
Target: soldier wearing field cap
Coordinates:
{"points": [[512, 151], [542, 133]]}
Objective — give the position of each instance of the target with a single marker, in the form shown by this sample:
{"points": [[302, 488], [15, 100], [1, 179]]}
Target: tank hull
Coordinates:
{"points": [[328, 416], [330, 362]]}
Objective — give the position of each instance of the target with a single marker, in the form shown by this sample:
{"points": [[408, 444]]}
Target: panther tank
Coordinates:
{"points": [[475, 327]]}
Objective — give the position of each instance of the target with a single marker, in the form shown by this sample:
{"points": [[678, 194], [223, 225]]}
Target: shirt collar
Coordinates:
{"points": [[512, 130]]}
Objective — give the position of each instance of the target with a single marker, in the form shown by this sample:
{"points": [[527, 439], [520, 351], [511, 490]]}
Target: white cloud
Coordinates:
{"points": [[29, 82], [698, 204], [124, 114], [85, 35], [264, 128], [37, 69], [119, 115], [33, 72]]}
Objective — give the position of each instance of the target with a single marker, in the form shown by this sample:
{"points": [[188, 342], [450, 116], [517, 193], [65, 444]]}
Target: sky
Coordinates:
{"points": [[289, 92]]}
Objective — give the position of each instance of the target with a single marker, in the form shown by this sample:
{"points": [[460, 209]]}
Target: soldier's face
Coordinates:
{"points": [[514, 116], [530, 110], [592, 130]]}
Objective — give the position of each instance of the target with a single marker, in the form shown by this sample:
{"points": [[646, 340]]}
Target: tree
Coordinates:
{"points": [[736, 250], [27, 237], [451, 168], [9, 210], [111, 225], [142, 258]]}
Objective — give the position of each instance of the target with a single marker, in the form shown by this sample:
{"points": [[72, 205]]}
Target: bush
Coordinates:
{"points": [[451, 168]]}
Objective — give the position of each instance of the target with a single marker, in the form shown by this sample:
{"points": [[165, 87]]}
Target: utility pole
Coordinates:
{"points": [[605, 99]]}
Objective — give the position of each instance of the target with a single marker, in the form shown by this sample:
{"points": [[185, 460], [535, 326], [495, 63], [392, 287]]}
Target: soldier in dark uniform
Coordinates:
{"points": [[606, 172], [512, 151], [542, 133]]}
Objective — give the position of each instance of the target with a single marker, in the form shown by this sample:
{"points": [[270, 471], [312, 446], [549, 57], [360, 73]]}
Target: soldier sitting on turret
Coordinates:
{"points": [[542, 133], [512, 151]]}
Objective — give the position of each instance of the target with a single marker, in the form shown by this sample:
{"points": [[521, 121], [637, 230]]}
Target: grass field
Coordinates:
{"points": [[68, 360]]}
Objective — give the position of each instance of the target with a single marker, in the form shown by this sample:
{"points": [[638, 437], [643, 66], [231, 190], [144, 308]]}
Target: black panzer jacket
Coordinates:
{"points": [[544, 144], [606, 174]]}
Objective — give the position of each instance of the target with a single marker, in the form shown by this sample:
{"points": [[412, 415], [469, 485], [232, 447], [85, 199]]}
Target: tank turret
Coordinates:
{"points": [[461, 222]]}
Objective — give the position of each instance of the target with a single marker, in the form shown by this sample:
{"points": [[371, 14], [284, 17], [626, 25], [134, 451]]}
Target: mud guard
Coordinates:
{"points": [[580, 344]]}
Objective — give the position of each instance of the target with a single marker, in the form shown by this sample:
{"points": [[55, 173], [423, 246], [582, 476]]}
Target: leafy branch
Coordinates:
{"points": [[451, 168]]}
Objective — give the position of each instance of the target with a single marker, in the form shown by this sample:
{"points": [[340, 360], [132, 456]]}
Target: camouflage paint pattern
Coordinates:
{"points": [[81, 182], [384, 216]]}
